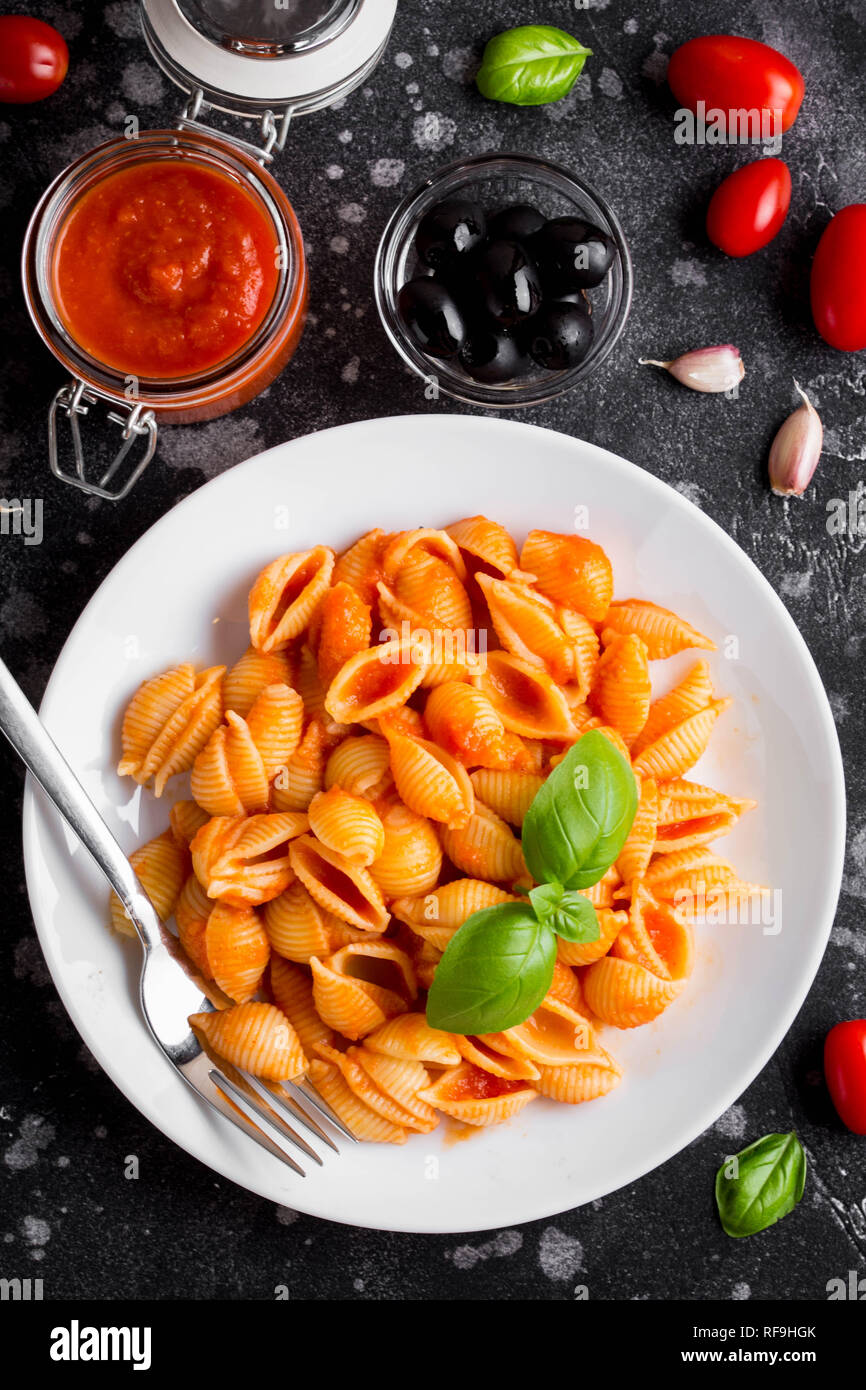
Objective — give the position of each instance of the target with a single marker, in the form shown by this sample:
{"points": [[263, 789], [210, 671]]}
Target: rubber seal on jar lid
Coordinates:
{"points": [[327, 50]]}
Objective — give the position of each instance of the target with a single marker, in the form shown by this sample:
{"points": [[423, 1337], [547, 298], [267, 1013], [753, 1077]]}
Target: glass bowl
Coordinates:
{"points": [[495, 181]]}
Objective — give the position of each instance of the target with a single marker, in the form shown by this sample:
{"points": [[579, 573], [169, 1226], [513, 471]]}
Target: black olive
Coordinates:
{"points": [[572, 254], [516, 223], [559, 336], [431, 317], [449, 229], [510, 283], [578, 297], [492, 355]]}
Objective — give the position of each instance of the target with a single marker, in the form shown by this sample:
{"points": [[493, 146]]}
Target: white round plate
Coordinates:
{"points": [[180, 594]]}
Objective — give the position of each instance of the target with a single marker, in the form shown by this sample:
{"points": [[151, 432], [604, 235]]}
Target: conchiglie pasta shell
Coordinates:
{"points": [[162, 866], [555, 1035], [527, 701], [191, 913], [526, 624], [348, 824], [251, 864], [293, 994], [352, 1005], [429, 781], [149, 711], [425, 541], [186, 819], [339, 885], [184, 733], [663, 632], [429, 589], [228, 777], [411, 861], [509, 794], [635, 855], [258, 1038], [476, 1097], [297, 783], [586, 1081], [410, 1036], [296, 926], [358, 1117], [482, 1053], [275, 722], [361, 766], [485, 848], [656, 937], [373, 682], [621, 691], [691, 695], [627, 995], [463, 721], [447, 908], [286, 595], [674, 752], [237, 950], [252, 674], [361, 1083], [585, 648], [361, 565], [486, 541], [400, 1081], [570, 570]]}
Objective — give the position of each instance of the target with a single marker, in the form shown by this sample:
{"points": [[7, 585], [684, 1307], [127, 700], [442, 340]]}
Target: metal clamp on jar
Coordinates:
{"points": [[253, 59]]}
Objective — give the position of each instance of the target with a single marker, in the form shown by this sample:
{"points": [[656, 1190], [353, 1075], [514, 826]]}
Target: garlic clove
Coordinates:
{"points": [[796, 449], [712, 369]]}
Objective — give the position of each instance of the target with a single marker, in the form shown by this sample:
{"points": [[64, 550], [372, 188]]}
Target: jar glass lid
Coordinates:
{"points": [[268, 29], [250, 56]]}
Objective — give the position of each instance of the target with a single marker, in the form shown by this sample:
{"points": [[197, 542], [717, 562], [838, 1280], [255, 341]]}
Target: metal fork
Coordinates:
{"points": [[170, 988]]}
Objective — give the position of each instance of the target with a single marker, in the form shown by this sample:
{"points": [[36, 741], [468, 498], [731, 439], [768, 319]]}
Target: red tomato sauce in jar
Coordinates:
{"points": [[165, 269]]}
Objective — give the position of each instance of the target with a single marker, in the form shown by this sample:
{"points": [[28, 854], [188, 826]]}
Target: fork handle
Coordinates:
{"points": [[38, 751]]}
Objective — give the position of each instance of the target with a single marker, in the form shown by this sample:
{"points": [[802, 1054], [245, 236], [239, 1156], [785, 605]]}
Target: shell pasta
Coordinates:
{"points": [[352, 790]]}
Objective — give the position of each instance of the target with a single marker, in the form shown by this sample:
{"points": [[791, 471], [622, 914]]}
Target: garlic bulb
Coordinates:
{"points": [[705, 369], [796, 449]]}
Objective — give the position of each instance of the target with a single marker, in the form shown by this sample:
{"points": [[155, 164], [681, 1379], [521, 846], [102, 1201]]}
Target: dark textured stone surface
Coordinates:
{"points": [[68, 1214]]}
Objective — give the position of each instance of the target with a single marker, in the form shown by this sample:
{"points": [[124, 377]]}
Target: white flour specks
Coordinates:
{"points": [[34, 1134], [460, 64], [630, 26], [692, 491], [403, 60], [339, 245], [854, 881], [839, 705], [122, 18], [560, 1255], [37, 1233], [287, 1216], [345, 137], [684, 273], [467, 1256], [142, 84], [655, 65], [351, 371], [733, 1123], [796, 583], [386, 173], [610, 84], [210, 448], [433, 131], [352, 213], [334, 172], [740, 1292]]}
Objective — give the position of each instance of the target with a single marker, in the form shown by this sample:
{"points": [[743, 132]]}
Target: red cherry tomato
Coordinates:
{"points": [[33, 59], [729, 73], [845, 1070], [838, 285], [749, 206]]}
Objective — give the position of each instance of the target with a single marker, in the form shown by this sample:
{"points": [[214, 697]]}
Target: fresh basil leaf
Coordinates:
{"points": [[531, 65], [495, 971], [570, 914], [760, 1185], [580, 818]]}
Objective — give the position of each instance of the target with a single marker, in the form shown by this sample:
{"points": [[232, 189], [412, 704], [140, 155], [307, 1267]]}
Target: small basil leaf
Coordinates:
{"points": [[580, 818], [760, 1185], [531, 65], [570, 914], [495, 971]]}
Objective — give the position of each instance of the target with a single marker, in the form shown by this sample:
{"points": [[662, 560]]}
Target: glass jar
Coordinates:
{"points": [[251, 59]]}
